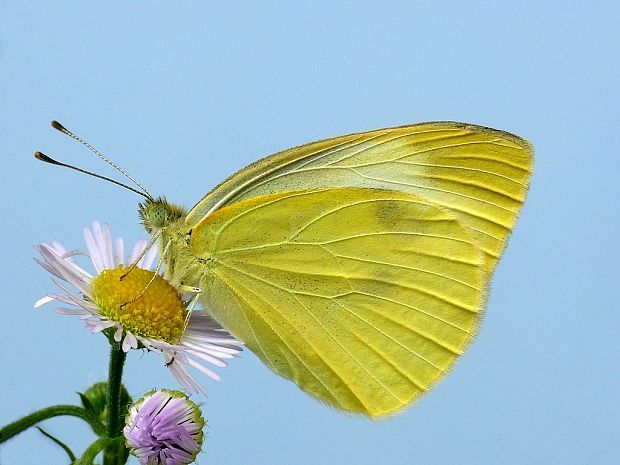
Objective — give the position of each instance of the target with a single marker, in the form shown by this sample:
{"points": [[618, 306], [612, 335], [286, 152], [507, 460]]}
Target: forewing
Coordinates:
{"points": [[362, 297], [480, 174]]}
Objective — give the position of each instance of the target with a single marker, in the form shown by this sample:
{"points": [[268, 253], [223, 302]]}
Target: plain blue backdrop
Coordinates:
{"points": [[182, 94]]}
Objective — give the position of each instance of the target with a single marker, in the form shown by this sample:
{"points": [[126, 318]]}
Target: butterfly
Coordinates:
{"points": [[358, 266]]}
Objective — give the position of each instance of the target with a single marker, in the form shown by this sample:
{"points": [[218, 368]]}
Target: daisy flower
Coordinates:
{"points": [[164, 427], [140, 309]]}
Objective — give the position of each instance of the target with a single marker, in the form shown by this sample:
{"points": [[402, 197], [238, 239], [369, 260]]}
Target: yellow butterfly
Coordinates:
{"points": [[357, 266]]}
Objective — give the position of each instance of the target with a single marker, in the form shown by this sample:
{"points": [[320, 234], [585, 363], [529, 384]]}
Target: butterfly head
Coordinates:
{"points": [[157, 213]]}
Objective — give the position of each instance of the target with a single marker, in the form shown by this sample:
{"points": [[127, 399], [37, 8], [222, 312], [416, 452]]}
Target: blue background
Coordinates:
{"points": [[182, 94]]}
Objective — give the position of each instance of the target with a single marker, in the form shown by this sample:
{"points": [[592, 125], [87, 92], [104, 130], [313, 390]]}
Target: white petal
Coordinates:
{"points": [[68, 256], [205, 370], [219, 354], [130, 342], [64, 253], [96, 326], [119, 251], [72, 276], [206, 349], [149, 345], [93, 250], [47, 267], [43, 300], [212, 343], [149, 257], [58, 247], [137, 250], [109, 247], [64, 269], [75, 299], [68, 299], [103, 245], [72, 311], [207, 358], [185, 379]]}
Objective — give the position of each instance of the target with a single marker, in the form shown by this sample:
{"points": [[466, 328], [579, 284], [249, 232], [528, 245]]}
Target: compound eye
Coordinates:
{"points": [[160, 217]]}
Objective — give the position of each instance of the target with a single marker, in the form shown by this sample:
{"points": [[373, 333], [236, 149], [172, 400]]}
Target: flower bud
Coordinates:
{"points": [[164, 427]]}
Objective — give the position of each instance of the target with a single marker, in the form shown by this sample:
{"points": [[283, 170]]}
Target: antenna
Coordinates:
{"points": [[59, 127], [41, 156]]}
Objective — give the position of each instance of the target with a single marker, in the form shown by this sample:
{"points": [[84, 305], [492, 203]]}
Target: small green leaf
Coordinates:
{"points": [[89, 454], [87, 404], [59, 442]]}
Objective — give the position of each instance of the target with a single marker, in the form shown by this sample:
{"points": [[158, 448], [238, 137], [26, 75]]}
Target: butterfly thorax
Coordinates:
{"points": [[166, 220]]}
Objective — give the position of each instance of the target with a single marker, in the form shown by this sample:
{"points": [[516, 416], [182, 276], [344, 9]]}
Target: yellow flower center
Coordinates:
{"points": [[156, 311]]}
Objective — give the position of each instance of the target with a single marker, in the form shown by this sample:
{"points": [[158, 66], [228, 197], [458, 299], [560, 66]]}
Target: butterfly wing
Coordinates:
{"points": [[480, 174], [357, 266], [363, 297]]}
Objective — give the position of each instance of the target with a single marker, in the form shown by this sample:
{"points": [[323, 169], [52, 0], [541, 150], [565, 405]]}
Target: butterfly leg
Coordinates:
{"points": [[196, 291], [143, 253], [155, 274]]}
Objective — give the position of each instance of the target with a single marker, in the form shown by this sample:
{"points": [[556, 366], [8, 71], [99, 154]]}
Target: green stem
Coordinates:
{"points": [[26, 422], [113, 401], [115, 375]]}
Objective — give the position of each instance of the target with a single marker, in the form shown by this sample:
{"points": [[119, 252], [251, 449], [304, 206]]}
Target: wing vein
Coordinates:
{"points": [[278, 244], [414, 308], [396, 265], [292, 351], [422, 335], [387, 233], [354, 291], [462, 168], [392, 139], [452, 207], [361, 202], [353, 357]]}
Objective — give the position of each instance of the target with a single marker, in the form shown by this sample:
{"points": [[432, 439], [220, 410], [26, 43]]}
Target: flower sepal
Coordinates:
{"points": [[95, 397]]}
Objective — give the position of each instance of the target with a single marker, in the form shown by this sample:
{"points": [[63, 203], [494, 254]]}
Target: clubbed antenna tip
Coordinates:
{"points": [[56, 125]]}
